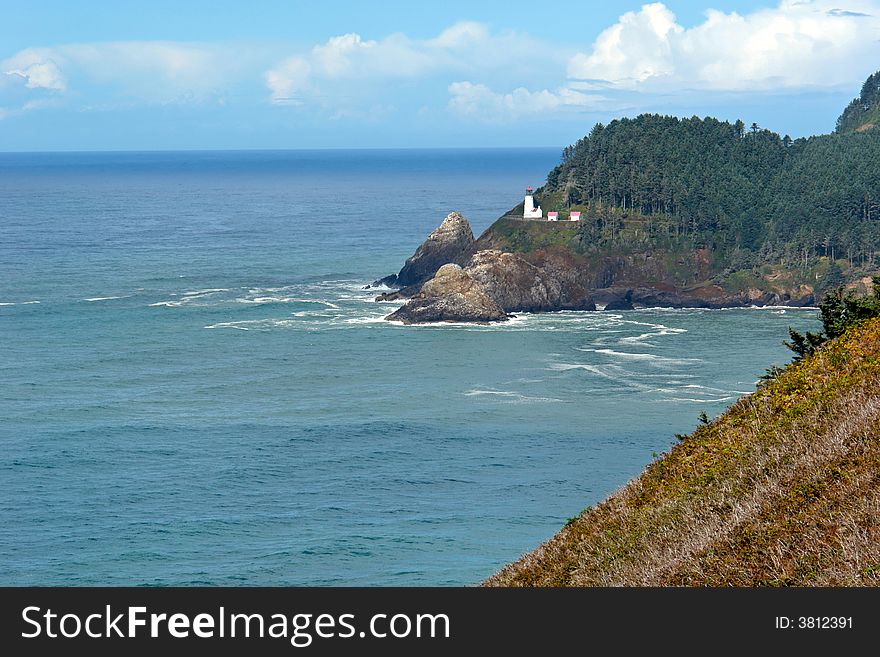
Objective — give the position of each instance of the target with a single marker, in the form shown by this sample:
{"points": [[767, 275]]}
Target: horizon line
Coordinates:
{"points": [[272, 150]]}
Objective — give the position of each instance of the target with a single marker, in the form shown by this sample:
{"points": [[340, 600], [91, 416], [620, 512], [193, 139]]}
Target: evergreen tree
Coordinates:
{"points": [[838, 311], [749, 196]]}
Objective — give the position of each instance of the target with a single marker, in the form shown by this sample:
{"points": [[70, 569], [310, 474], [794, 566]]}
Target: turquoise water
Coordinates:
{"points": [[198, 390]]}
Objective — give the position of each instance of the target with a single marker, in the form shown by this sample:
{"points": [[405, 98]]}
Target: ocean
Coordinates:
{"points": [[197, 389]]}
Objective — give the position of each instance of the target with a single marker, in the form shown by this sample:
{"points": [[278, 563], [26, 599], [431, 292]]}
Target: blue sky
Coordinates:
{"points": [[272, 74]]}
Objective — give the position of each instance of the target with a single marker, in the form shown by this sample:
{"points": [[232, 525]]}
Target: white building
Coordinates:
{"points": [[552, 216], [575, 216], [529, 209]]}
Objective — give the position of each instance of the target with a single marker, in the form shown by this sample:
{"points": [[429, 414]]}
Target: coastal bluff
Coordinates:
{"points": [[780, 490], [539, 266]]}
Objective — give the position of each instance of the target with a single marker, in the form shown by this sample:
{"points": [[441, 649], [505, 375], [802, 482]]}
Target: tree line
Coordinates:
{"points": [[741, 190]]}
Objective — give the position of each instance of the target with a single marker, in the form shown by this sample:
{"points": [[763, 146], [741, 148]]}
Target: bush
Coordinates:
{"points": [[838, 312]]}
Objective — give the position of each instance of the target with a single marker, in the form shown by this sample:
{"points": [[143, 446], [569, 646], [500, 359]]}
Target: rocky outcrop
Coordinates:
{"points": [[402, 293], [518, 285], [452, 295], [623, 298], [387, 281], [452, 241], [512, 282], [493, 284]]}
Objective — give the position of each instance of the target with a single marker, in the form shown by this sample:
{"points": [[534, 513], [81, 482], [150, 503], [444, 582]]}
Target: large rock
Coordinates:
{"points": [[512, 282], [518, 285], [611, 299], [451, 296], [452, 242]]}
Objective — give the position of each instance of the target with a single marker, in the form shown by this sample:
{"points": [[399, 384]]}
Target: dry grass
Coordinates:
{"points": [[781, 490]]}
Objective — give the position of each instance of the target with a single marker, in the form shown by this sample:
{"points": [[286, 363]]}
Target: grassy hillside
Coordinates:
{"points": [[783, 489]]}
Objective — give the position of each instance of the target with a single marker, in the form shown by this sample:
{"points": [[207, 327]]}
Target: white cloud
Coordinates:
{"points": [[637, 47], [466, 49], [345, 57], [152, 71], [461, 35], [478, 100], [799, 44], [468, 70], [38, 71], [288, 80], [334, 58]]}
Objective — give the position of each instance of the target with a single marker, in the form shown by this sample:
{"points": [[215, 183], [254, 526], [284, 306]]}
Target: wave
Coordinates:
{"points": [[357, 299], [232, 325], [284, 294], [368, 320], [268, 290], [189, 297], [694, 386], [698, 401], [643, 357], [252, 324], [792, 308], [18, 303], [662, 331], [321, 301], [102, 298], [810, 308], [513, 323], [612, 373], [281, 299], [259, 300], [299, 320], [314, 313], [565, 367], [515, 397], [207, 291], [676, 311], [647, 382]]}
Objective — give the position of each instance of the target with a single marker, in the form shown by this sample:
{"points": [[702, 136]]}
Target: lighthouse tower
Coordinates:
{"points": [[529, 209]]}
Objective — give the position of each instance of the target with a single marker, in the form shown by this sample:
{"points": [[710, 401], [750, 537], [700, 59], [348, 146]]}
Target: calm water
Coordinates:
{"points": [[196, 389]]}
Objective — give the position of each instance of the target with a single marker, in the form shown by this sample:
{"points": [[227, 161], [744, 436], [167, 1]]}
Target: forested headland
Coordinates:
{"points": [[676, 212], [755, 199]]}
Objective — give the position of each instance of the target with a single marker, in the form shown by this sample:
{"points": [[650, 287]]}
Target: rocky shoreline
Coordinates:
{"points": [[453, 277]]}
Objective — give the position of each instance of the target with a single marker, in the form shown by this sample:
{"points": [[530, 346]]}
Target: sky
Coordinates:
{"points": [[273, 74]]}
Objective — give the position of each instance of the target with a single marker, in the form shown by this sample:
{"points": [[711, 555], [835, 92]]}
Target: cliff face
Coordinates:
{"points": [[780, 490], [676, 274]]}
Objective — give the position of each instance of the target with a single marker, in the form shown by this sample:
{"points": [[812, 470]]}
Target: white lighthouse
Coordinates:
{"points": [[529, 209]]}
